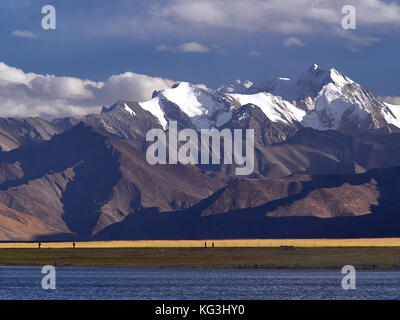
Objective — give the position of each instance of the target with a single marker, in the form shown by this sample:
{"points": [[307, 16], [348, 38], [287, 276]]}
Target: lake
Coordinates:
{"points": [[208, 284]]}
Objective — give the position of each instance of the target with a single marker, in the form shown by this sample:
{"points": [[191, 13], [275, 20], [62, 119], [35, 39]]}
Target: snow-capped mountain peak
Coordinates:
{"points": [[193, 100], [203, 108], [308, 84], [331, 100], [339, 79], [195, 104], [239, 86], [311, 82], [323, 99], [334, 101]]}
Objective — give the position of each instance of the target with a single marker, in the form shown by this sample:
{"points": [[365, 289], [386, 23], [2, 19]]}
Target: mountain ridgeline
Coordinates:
{"points": [[327, 164]]}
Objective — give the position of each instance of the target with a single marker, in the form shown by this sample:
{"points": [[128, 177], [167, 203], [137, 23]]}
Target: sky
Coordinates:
{"points": [[102, 50]]}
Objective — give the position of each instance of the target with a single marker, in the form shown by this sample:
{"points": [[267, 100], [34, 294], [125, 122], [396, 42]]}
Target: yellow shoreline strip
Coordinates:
{"points": [[229, 243]]}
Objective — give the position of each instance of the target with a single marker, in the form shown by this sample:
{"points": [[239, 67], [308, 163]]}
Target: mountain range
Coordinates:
{"points": [[327, 164]]}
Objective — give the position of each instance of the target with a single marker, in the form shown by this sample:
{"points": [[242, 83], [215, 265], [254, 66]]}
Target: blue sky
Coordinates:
{"points": [[208, 41]]}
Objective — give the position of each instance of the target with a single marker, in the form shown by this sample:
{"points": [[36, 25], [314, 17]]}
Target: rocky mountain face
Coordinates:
{"points": [[124, 120], [15, 225], [298, 206], [81, 181], [15, 132], [326, 157]]}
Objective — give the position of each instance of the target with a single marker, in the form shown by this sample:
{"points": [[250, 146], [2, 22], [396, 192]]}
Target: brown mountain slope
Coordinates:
{"points": [[15, 225], [81, 181], [325, 202], [359, 205], [251, 193], [165, 187], [41, 198], [345, 200], [280, 149], [15, 132], [87, 179]]}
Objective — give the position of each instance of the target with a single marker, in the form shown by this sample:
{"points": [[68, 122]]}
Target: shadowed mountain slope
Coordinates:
{"points": [[82, 180], [364, 205]]}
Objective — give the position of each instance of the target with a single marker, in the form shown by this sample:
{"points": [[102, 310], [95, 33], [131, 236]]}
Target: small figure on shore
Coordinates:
{"points": [[73, 245], [213, 244], [39, 245], [205, 244]]}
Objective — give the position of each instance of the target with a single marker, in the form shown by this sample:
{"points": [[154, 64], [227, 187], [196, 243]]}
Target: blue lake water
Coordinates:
{"points": [[218, 284]]}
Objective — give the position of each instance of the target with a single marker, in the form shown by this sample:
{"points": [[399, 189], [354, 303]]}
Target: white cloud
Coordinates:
{"points": [[356, 40], [231, 21], [30, 94], [391, 100], [193, 47], [254, 53], [164, 47], [131, 86], [287, 17], [23, 34], [293, 41], [187, 47]]}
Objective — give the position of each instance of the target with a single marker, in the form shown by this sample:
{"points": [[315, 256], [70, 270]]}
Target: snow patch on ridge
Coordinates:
{"points": [[153, 106], [126, 107], [391, 114], [339, 79], [274, 108]]}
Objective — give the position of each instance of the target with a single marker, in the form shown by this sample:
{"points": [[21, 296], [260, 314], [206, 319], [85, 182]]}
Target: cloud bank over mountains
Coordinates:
{"points": [[49, 96]]}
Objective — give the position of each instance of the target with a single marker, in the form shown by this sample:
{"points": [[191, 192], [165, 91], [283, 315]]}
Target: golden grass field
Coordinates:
{"points": [[196, 257], [233, 243]]}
